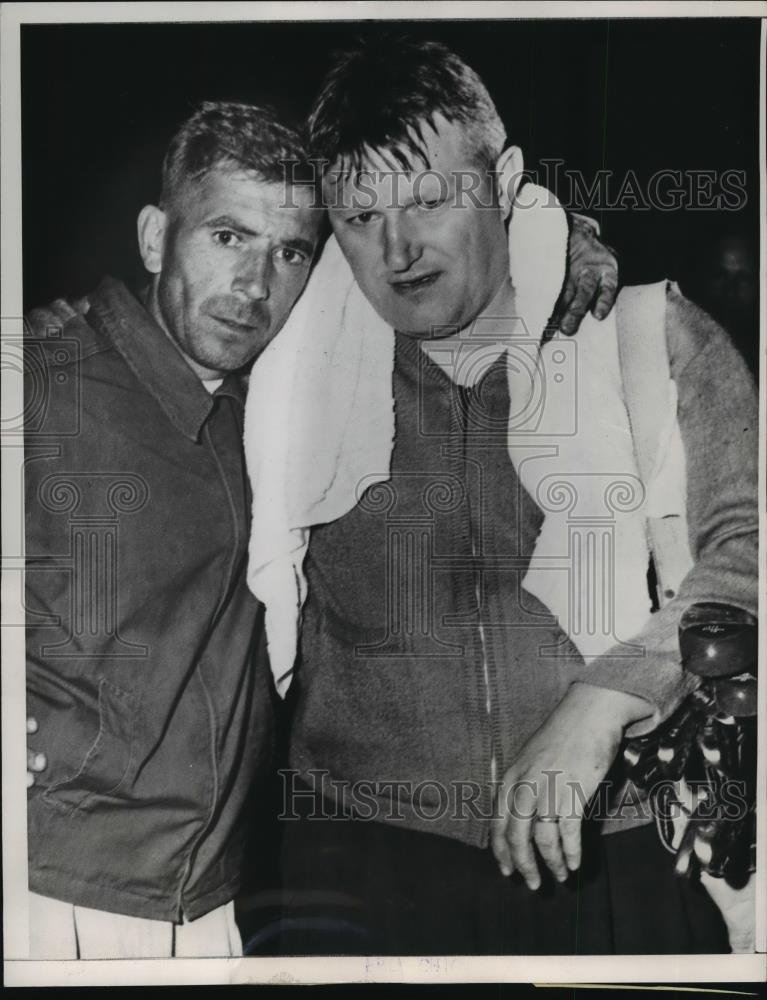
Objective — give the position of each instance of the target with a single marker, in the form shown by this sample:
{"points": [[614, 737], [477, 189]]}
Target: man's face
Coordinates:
{"points": [[425, 253], [235, 257], [733, 275]]}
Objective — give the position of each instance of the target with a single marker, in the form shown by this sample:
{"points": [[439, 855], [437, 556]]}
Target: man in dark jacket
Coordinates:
{"points": [[146, 671]]}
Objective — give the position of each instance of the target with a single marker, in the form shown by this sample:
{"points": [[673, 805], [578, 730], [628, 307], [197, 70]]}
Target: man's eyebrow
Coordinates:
{"points": [[227, 222]]}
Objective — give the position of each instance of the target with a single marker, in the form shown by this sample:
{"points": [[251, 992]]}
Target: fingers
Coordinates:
{"points": [[36, 762], [547, 839], [519, 833], [570, 835], [528, 818], [508, 839], [608, 290], [592, 279], [568, 293], [498, 834], [588, 281]]}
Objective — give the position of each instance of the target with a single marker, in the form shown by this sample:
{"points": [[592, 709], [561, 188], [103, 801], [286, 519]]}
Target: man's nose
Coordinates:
{"points": [[401, 244], [253, 274]]}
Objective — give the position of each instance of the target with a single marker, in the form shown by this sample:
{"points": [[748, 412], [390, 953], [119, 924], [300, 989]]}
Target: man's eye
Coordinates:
{"points": [[361, 219], [226, 238], [290, 256], [430, 203]]}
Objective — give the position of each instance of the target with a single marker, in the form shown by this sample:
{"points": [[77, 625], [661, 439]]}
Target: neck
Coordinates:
{"points": [[468, 354], [495, 323], [497, 320]]}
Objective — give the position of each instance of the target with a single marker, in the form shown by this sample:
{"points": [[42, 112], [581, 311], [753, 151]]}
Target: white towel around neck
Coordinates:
{"points": [[320, 420]]}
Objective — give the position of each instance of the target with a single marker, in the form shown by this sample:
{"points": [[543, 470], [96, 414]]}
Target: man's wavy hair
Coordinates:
{"points": [[224, 134], [378, 96]]}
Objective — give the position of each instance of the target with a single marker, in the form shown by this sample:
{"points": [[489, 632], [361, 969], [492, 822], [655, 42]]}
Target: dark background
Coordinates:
{"points": [[99, 103]]}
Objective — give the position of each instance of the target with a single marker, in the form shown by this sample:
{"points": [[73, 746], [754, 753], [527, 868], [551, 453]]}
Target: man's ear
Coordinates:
{"points": [[509, 171], [152, 224]]}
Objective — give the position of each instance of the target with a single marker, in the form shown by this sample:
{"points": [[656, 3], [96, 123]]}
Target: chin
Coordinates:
{"points": [[222, 365], [435, 328]]}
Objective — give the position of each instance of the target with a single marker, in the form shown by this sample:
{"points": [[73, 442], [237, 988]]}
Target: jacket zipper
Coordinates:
{"points": [[469, 393], [211, 712], [485, 668]]}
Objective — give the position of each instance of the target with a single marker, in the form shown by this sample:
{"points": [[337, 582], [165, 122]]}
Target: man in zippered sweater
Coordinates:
{"points": [[419, 681]]}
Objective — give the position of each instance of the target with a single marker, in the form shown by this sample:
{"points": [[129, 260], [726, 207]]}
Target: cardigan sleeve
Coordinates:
{"points": [[718, 421]]}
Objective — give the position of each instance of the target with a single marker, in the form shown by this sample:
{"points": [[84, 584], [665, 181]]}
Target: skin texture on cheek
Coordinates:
{"points": [[182, 289]]}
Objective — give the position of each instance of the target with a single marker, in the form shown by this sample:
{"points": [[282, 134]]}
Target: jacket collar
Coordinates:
{"points": [[155, 360]]}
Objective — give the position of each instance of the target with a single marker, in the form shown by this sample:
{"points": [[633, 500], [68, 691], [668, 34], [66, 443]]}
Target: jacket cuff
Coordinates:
{"points": [[656, 675]]}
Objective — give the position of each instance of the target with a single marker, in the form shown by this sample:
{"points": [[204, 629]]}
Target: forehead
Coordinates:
{"points": [[244, 197], [448, 153]]}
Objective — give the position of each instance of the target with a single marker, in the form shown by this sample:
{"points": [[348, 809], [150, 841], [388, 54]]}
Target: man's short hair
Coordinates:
{"points": [[378, 95], [224, 134]]}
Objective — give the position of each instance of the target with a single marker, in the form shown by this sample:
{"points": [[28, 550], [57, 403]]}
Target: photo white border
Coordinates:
{"points": [[19, 970]]}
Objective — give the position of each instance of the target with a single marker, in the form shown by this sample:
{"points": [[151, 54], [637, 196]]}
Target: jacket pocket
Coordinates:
{"points": [[348, 632], [108, 760]]}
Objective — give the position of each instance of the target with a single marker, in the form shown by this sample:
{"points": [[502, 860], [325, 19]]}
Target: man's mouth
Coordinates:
{"points": [[415, 284], [238, 326]]}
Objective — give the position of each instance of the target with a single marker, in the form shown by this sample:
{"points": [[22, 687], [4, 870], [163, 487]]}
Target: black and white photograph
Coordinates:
{"points": [[382, 492]]}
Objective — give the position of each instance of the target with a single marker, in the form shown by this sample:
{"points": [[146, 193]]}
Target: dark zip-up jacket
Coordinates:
{"points": [[144, 661]]}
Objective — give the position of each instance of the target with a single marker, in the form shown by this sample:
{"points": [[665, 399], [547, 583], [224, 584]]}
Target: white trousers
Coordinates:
{"points": [[61, 931]]}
